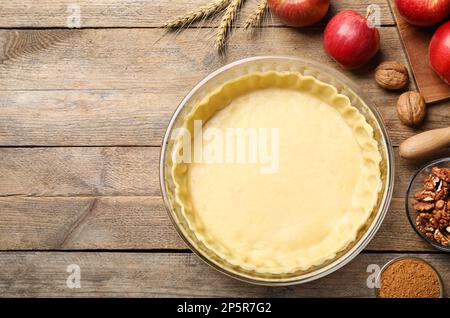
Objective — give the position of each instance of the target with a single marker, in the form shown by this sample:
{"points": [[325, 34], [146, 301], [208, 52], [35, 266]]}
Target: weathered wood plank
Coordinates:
{"points": [[78, 171], [86, 223], [72, 118], [137, 221], [105, 171], [135, 13], [119, 87], [149, 58], [172, 275], [133, 223], [132, 117], [128, 118]]}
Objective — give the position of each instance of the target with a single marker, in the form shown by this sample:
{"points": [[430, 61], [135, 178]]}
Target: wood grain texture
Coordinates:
{"points": [[135, 117], [135, 219], [416, 41], [149, 58], [79, 171], [105, 171], [86, 223], [135, 13], [119, 87], [100, 117], [58, 223], [98, 87], [172, 275]]}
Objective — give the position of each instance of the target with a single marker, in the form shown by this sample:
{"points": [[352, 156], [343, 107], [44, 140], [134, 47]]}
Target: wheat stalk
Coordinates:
{"points": [[226, 23], [255, 18], [199, 14]]}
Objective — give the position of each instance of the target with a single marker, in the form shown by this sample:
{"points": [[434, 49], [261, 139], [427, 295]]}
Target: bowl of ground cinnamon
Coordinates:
{"points": [[409, 277]]}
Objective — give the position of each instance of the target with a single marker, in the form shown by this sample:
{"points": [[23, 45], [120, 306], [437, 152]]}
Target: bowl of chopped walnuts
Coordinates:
{"points": [[428, 203]]}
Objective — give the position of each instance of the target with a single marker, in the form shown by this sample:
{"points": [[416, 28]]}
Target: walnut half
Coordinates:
{"points": [[440, 238]]}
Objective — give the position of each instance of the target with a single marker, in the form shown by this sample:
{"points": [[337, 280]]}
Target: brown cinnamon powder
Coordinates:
{"points": [[409, 278]]}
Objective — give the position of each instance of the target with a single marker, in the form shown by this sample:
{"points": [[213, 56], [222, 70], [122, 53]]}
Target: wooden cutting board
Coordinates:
{"points": [[416, 41]]}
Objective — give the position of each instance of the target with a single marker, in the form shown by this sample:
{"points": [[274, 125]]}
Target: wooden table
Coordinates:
{"points": [[82, 115]]}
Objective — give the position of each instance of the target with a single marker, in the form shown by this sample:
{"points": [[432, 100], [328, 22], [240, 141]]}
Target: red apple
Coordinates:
{"points": [[439, 52], [423, 12], [350, 39], [299, 13]]}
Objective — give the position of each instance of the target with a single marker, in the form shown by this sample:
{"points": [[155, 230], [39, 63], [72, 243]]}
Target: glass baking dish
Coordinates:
{"points": [[305, 67]]}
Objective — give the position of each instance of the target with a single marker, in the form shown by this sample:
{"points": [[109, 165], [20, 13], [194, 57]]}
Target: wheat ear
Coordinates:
{"points": [[195, 15], [256, 17], [226, 23]]}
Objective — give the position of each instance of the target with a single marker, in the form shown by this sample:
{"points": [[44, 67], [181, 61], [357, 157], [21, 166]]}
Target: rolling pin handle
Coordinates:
{"points": [[425, 144]]}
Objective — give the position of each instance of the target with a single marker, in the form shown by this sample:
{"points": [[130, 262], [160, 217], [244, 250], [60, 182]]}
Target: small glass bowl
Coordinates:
{"points": [[392, 261], [415, 185]]}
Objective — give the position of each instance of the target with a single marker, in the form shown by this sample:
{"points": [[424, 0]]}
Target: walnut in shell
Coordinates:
{"points": [[411, 108], [392, 75]]}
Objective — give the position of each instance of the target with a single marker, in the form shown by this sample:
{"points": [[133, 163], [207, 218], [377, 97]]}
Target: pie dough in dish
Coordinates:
{"points": [[322, 193]]}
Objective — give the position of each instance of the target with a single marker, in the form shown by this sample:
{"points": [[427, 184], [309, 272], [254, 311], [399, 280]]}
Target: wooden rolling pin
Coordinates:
{"points": [[425, 144]]}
